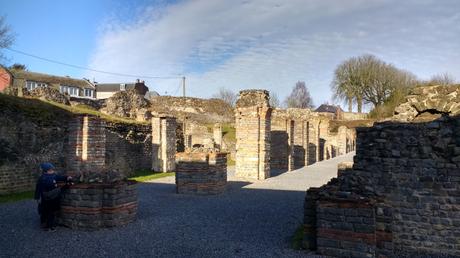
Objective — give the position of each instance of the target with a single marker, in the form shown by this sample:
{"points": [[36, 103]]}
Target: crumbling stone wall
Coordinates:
{"points": [[163, 143], [400, 199], [253, 122], [429, 102], [201, 173], [128, 147]]}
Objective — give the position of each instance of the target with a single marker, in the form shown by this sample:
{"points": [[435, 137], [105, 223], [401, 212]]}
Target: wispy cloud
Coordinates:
{"points": [[271, 43]]}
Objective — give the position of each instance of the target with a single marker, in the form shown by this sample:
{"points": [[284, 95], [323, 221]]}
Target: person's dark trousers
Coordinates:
{"points": [[49, 212]]}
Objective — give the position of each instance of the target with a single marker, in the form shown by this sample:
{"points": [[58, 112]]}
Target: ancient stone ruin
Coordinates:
{"points": [[253, 120], [99, 198], [163, 143], [283, 139], [201, 173], [401, 196]]}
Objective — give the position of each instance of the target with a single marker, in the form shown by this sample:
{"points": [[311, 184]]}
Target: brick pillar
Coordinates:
{"points": [[253, 119], [217, 135], [86, 145], [163, 144], [290, 133]]}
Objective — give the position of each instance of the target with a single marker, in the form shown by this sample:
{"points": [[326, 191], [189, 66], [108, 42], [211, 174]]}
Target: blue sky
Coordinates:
{"points": [[236, 44]]}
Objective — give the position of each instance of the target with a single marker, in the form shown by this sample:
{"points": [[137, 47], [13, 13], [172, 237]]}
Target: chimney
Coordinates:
{"points": [[137, 80]]}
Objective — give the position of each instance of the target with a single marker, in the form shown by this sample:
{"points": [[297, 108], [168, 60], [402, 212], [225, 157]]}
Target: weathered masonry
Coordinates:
{"points": [[163, 143], [253, 120], [201, 173], [109, 200], [27, 140], [283, 139], [402, 196]]}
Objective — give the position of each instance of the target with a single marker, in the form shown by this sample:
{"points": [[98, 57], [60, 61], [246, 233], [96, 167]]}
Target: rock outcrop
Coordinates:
{"points": [[128, 104], [48, 93], [428, 103]]}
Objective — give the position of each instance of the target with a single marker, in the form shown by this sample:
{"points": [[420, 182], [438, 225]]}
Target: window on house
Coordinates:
{"points": [[30, 85], [122, 86], [89, 93], [72, 91]]}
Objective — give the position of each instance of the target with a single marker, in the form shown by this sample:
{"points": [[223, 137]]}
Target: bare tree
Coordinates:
{"points": [[443, 79], [6, 37], [226, 95], [368, 79], [274, 100], [299, 97]]}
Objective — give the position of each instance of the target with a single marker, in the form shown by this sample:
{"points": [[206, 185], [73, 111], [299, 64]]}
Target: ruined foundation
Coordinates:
{"points": [[253, 119], [400, 199], [201, 173], [92, 206], [99, 198]]}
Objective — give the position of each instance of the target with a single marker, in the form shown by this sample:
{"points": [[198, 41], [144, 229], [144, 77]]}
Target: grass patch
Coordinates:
{"points": [[229, 132], [147, 175], [297, 238], [16, 197]]}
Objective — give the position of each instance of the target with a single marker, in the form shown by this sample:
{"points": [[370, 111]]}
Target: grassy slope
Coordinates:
{"points": [[16, 197], [41, 111]]}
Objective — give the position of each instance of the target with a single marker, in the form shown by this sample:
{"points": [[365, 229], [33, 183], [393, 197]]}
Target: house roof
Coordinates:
{"points": [[329, 108], [41, 77]]}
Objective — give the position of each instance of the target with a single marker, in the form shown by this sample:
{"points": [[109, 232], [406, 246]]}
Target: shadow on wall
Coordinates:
{"points": [[312, 153], [299, 156], [279, 149]]}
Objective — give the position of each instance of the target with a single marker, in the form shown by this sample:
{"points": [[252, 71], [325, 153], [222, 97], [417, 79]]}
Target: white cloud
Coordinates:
{"points": [[272, 43]]}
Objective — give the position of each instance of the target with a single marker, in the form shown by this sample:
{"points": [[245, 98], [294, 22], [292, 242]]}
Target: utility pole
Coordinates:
{"points": [[183, 86]]}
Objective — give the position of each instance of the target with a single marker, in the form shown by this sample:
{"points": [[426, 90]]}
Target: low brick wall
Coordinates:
{"points": [[201, 173], [92, 206]]}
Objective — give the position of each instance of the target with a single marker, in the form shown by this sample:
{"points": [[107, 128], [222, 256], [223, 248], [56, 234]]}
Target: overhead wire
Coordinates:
{"points": [[91, 69]]}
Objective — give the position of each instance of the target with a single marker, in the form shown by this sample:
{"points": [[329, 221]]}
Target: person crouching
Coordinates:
{"points": [[48, 195]]}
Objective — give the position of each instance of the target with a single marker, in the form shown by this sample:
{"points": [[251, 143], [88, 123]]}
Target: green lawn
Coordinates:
{"points": [[16, 197], [147, 175]]}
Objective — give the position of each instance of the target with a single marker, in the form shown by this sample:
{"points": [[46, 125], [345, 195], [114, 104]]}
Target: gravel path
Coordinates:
{"points": [[248, 220]]}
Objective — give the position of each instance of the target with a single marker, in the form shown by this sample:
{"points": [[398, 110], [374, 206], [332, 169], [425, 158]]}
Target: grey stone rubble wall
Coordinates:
{"points": [[253, 121], [128, 148], [402, 197], [25, 144], [201, 173]]}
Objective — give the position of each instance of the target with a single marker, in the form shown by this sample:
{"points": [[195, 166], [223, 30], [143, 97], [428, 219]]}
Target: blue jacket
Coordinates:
{"points": [[47, 182]]}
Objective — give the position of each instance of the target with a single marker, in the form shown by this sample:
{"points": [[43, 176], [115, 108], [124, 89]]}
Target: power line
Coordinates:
{"points": [[90, 69]]}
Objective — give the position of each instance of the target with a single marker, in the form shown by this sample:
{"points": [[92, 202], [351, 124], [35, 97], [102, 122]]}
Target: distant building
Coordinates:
{"points": [[20, 79], [336, 110], [106, 90]]}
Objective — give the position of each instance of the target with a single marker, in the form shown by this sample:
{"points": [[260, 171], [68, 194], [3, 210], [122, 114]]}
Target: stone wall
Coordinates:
{"points": [[33, 132], [128, 147], [402, 197], [163, 143], [201, 173], [253, 121]]}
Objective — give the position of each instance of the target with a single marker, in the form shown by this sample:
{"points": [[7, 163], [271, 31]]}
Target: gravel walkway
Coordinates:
{"points": [[248, 220]]}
